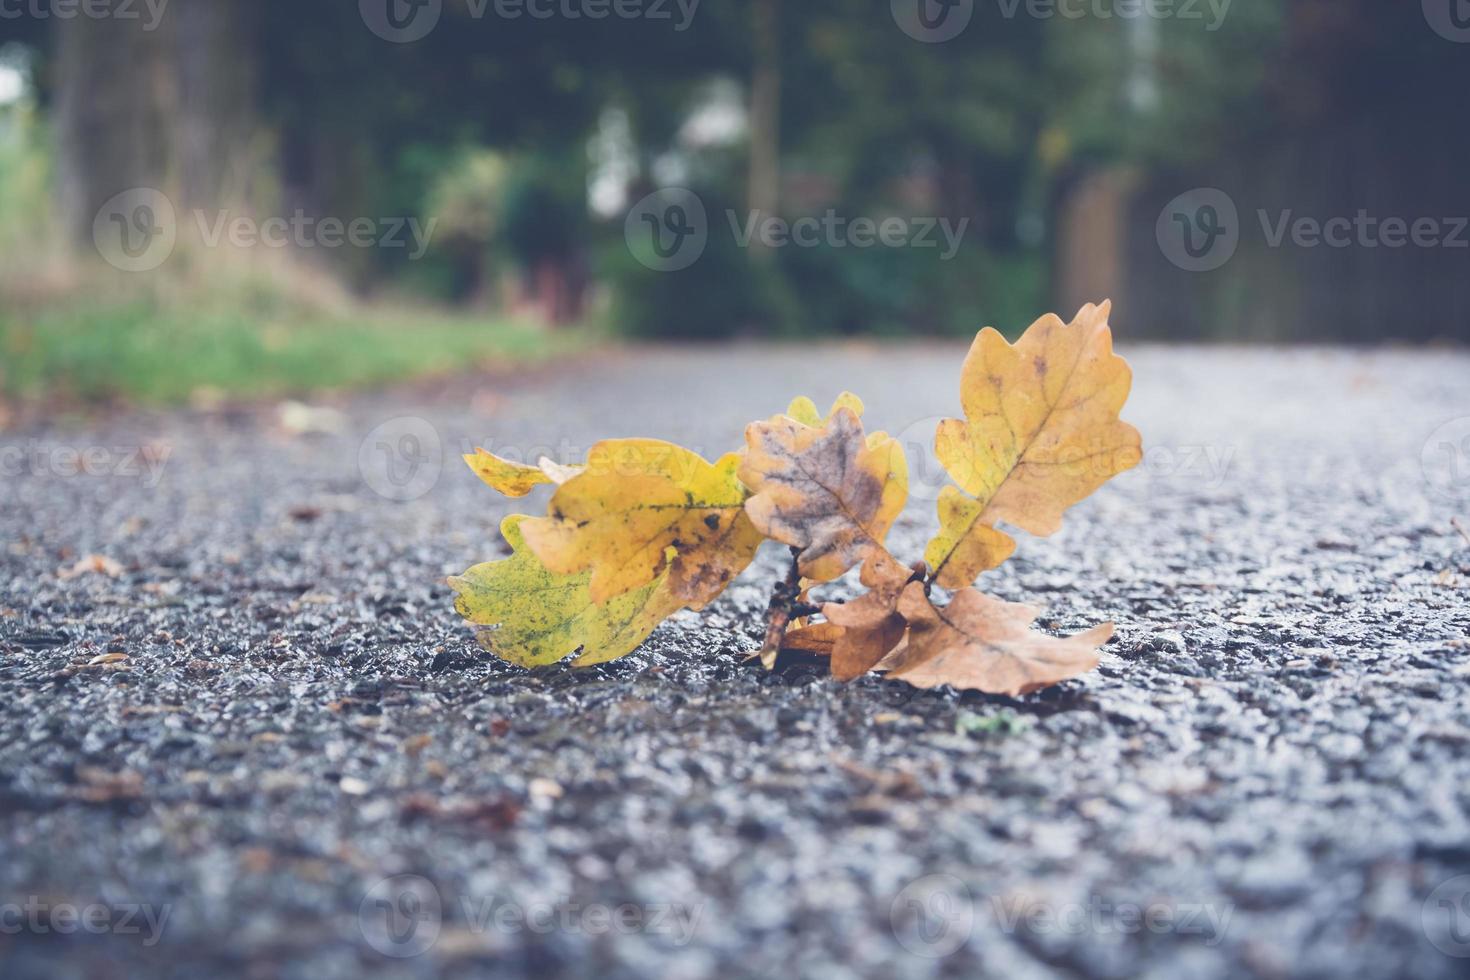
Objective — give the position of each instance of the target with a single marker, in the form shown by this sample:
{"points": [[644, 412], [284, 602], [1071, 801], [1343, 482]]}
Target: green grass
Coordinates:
{"points": [[159, 356]]}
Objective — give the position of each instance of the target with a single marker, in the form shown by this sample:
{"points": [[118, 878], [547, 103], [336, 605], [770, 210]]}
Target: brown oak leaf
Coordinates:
{"points": [[814, 638], [985, 644], [870, 626], [828, 490]]}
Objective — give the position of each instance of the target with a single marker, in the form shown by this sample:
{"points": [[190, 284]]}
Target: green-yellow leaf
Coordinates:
{"points": [[641, 507], [530, 616]]}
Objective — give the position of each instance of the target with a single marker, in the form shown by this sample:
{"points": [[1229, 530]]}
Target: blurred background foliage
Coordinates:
{"points": [[526, 141]]}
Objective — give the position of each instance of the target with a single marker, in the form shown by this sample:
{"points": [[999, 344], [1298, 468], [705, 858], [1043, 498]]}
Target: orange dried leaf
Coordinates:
{"points": [[870, 626], [816, 638], [985, 644], [90, 565]]}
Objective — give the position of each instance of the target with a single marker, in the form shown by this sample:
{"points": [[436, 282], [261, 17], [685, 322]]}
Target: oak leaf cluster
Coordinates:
{"points": [[645, 528]]}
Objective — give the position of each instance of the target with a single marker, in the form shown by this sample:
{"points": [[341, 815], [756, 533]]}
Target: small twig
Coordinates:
{"points": [[782, 609], [1458, 526]]}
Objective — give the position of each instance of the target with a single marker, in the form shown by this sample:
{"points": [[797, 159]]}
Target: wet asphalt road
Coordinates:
{"points": [[261, 743]]}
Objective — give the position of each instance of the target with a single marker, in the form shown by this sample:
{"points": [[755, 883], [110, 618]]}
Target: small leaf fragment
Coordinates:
{"points": [[90, 565], [642, 506], [815, 638], [534, 616], [827, 490], [1001, 723], [504, 476], [985, 644], [558, 473]]}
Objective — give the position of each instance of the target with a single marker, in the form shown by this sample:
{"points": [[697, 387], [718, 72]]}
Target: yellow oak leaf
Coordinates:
{"points": [[1041, 432], [985, 644], [870, 626], [641, 507], [965, 545], [531, 616], [804, 410], [827, 490], [517, 479]]}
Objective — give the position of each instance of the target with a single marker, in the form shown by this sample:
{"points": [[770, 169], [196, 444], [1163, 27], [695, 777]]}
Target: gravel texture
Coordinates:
{"points": [[1269, 775]]}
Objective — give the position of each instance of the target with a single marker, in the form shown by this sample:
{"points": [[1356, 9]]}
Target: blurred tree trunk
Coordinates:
{"points": [[216, 126], [113, 112], [171, 108], [764, 192]]}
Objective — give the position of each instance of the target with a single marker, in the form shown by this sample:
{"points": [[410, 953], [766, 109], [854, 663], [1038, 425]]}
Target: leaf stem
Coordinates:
{"points": [[782, 608]]}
